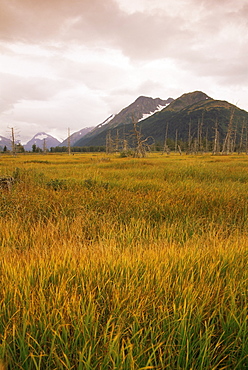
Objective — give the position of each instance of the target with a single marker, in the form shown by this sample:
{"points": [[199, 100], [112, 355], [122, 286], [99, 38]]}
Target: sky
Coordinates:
{"points": [[72, 63]]}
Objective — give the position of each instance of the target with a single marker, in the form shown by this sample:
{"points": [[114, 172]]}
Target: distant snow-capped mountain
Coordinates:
{"points": [[42, 140], [5, 142]]}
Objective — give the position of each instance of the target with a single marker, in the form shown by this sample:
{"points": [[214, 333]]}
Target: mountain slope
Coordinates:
{"points": [[5, 142], [203, 115], [77, 136], [186, 100], [138, 110], [41, 139], [190, 113]]}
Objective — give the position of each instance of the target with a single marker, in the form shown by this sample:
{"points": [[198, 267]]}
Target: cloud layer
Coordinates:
{"points": [[74, 62]]}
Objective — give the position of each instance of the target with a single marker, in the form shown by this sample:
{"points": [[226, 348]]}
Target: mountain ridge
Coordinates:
{"points": [[4, 142], [76, 136], [154, 117], [135, 111], [41, 140], [192, 112]]}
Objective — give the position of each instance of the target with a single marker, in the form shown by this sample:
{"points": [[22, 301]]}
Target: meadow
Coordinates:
{"points": [[123, 263]]}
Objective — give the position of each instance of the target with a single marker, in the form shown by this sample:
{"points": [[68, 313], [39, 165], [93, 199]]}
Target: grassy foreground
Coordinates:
{"points": [[122, 263]]}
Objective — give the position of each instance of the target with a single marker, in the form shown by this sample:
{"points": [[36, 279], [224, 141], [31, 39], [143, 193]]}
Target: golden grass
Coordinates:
{"points": [[121, 263]]}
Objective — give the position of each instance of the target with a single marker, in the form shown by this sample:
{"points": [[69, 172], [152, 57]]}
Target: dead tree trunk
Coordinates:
{"points": [[246, 140], [166, 148], [216, 139], [69, 141], [227, 141], [206, 144], [241, 138], [13, 141], [117, 141], [141, 145], [109, 143], [44, 146], [176, 139], [189, 138], [140, 151], [234, 140]]}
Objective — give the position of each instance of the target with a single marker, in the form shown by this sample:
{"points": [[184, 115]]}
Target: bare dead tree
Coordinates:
{"points": [[44, 146], [228, 139], [189, 138], [246, 139], [200, 125], [124, 145], [234, 140], [13, 141], [197, 141], [241, 138], [109, 143], [69, 141], [117, 141], [216, 138], [206, 143], [166, 148], [176, 139], [142, 145]]}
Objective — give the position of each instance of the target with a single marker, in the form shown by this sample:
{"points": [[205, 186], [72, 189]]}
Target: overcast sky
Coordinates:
{"points": [[72, 63]]}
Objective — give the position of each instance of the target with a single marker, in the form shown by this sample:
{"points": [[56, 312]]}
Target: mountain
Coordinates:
{"points": [[193, 114], [196, 113], [40, 140], [186, 100], [5, 142], [139, 110], [77, 136]]}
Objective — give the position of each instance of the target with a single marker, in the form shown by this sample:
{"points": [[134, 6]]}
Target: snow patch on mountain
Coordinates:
{"points": [[107, 120], [41, 137], [159, 108]]}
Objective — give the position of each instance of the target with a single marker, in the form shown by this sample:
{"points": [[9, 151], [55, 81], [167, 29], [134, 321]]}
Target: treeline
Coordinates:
{"points": [[197, 136], [58, 149], [77, 149]]}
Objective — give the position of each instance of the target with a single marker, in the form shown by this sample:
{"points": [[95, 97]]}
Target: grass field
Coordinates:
{"points": [[123, 263]]}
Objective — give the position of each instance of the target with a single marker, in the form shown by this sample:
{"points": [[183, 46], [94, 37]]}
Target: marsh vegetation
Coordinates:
{"points": [[124, 263]]}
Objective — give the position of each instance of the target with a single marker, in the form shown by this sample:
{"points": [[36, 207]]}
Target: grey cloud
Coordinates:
{"points": [[33, 21], [139, 35], [93, 22]]}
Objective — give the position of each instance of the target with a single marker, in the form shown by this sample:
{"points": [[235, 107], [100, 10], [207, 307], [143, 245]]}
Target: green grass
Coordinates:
{"points": [[122, 263]]}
